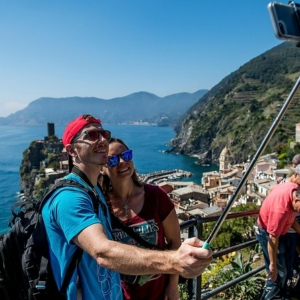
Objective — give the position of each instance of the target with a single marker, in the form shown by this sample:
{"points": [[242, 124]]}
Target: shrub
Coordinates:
{"points": [[248, 289]]}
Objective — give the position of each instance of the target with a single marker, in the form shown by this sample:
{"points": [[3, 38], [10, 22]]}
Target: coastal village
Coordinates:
{"points": [[206, 199]]}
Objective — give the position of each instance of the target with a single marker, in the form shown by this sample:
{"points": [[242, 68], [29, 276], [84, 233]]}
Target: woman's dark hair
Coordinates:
{"points": [[104, 180]]}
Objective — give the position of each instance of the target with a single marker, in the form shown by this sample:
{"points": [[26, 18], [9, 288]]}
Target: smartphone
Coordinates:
{"points": [[285, 20]]}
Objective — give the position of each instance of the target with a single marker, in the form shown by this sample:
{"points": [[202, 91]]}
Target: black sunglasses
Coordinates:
{"points": [[115, 159], [94, 135]]}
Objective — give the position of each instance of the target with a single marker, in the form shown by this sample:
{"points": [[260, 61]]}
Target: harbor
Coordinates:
{"points": [[164, 175]]}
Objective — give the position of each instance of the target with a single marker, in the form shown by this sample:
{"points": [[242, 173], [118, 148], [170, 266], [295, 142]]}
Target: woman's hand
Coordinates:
{"points": [[172, 292]]}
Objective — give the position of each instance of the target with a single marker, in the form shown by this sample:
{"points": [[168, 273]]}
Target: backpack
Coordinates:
{"points": [[25, 271]]}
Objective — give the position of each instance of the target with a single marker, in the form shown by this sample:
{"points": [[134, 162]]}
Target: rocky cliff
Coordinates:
{"points": [[40, 155]]}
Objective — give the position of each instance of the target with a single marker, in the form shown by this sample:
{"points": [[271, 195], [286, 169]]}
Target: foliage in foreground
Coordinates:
{"points": [[224, 272], [183, 294]]}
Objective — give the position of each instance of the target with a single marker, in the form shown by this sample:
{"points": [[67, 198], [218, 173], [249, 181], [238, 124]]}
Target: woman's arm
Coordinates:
{"points": [[172, 235], [172, 230]]}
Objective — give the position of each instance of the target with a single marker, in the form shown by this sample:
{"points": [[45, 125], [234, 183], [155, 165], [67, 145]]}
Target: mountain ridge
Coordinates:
{"points": [[136, 107]]}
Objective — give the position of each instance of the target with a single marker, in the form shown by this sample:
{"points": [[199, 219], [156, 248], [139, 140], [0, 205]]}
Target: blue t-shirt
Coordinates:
{"points": [[66, 214]]}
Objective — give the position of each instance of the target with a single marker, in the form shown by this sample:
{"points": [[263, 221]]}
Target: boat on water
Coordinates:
{"points": [[20, 195]]}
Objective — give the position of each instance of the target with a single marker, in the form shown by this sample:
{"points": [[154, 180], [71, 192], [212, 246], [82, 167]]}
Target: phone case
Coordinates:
{"points": [[285, 21]]}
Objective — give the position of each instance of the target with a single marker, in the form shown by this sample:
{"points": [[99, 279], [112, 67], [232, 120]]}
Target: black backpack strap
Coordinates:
{"points": [[73, 265], [93, 195], [20, 213], [69, 183], [133, 234]]}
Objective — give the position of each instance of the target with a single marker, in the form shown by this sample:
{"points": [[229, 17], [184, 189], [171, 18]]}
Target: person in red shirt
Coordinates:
{"points": [[149, 211], [276, 217], [292, 238]]}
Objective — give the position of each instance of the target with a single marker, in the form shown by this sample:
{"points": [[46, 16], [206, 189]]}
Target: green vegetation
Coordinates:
{"points": [[40, 188], [53, 160], [183, 294], [234, 265], [233, 231], [286, 154], [230, 268], [52, 138]]}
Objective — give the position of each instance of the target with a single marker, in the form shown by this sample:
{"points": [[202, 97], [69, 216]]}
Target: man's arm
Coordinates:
{"points": [[190, 260], [272, 251], [296, 226]]}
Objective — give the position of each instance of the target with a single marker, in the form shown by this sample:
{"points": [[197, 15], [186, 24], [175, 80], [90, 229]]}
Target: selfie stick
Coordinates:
{"points": [[261, 148]]}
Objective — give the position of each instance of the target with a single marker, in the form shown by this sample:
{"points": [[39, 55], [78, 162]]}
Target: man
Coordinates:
{"points": [[276, 216], [71, 222], [292, 239], [295, 162]]}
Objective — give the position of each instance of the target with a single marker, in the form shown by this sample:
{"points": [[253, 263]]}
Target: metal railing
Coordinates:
{"points": [[195, 228]]}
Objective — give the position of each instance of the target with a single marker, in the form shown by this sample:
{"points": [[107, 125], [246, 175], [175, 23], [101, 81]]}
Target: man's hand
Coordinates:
{"points": [[192, 258], [279, 179], [273, 272]]}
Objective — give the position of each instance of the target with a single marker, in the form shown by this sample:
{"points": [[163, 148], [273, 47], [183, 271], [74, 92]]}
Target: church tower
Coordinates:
{"points": [[224, 161]]}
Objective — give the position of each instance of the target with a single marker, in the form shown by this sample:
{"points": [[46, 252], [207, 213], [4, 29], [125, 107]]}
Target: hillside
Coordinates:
{"points": [[137, 107], [238, 111]]}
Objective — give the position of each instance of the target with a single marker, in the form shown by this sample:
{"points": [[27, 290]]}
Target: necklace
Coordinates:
{"points": [[126, 207]]}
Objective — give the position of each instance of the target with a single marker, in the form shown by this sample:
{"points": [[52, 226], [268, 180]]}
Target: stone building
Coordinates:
{"points": [[224, 161]]}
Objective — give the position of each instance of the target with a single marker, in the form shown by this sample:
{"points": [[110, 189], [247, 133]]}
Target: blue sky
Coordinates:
{"points": [[112, 48]]}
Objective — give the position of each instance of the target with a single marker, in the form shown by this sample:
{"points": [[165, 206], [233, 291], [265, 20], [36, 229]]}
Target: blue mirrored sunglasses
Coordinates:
{"points": [[115, 159]]}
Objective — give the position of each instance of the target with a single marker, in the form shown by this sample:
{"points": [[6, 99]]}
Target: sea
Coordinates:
{"points": [[147, 142]]}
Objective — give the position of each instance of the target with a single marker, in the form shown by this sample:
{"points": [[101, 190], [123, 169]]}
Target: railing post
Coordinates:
{"points": [[194, 285]]}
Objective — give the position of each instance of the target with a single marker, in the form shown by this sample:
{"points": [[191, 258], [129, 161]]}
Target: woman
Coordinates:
{"points": [[148, 210]]}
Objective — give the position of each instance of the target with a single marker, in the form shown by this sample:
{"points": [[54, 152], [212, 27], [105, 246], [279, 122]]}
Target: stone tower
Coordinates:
{"points": [[224, 161], [51, 129]]}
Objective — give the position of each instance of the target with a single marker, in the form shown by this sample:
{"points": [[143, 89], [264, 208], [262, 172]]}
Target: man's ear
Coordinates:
{"points": [[71, 150]]}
